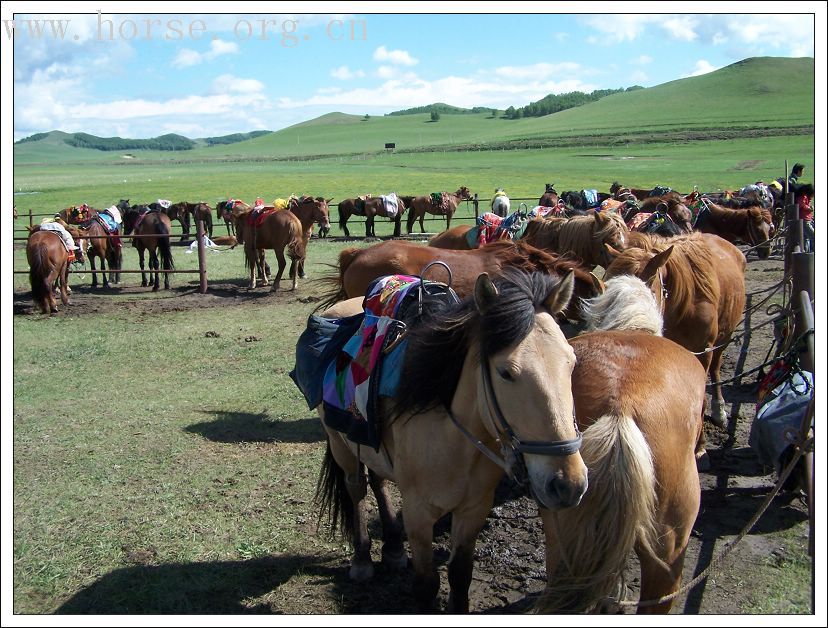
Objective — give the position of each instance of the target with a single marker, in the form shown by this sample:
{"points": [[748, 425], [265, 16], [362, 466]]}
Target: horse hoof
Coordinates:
{"points": [[703, 462], [361, 572], [395, 560], [718, 419]]}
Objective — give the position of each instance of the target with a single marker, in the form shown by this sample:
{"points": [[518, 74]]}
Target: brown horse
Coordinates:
{"points": [[639, 401], [700, 280], [153, 229], [48, 269], [485, 376], [370, 207], [550, 197], [752, 225], [581, 237], [359, 267], [421, 204], [277, 230], [100, 244], [229, 210], [310, 210], [672, 204]]}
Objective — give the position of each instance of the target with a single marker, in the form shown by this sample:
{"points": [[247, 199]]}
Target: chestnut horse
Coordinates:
{"points": [[370, 207], [700, 280], [359, 267], [672, 204], [48, 268], [550, 197], [229, 210], [419, 205], [310, 210], [153, 229], [100, 244], [581, 237], [490, 374], [279, 229], [752, 225]]}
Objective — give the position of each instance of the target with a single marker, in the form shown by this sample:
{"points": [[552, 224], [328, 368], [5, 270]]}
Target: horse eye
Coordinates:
{"points": [[505, 374]]}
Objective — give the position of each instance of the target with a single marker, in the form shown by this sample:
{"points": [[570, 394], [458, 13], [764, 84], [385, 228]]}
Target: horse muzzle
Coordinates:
{"points": [[555, 486]]}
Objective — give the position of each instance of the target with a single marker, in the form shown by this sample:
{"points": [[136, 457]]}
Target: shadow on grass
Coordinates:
{"points": [[245, 427], [202, 588]]}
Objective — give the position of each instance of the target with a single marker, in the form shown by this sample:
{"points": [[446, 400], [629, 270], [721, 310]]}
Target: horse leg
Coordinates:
{"points": [[369, 225], [397, 226], [280, 258], [393, 551], [154, 265], [63, 279], [422, 220], [103, 271], [448, 221], [419, 524], [718, 413], [92, 266], [141, 264], [465, 527], [293, 274], [263, 268]]}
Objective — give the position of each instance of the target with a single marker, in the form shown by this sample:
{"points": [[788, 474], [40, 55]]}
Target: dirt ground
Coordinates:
{"points": [[509, 567]]}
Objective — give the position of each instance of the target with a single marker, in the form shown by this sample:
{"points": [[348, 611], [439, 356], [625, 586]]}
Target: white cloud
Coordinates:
{"points": [[187, 57], [639, 77], [229, 83], [702, 67], [538, 70], [397, 57], [643, 60], [344, 73]]}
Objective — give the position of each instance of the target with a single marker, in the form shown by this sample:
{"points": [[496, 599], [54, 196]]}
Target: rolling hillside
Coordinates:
{"points": [[765, 96]]}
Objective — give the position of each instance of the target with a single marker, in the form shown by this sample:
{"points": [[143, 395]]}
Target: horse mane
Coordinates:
{"points": [[438, 344], [576, 235], [691, 269], [627, 303], [528, 258]]}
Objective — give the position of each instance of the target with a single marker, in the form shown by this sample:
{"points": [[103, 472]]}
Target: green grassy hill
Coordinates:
{"points": [[766, 96]]}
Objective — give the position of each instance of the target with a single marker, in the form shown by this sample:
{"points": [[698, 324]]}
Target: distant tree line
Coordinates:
{"points": [[553, 103], [33, 138], [440, 108], [234, 137], [171, 141]]}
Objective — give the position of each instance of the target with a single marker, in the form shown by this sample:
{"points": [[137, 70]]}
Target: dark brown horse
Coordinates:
{"points": [[199, 211], [100, 244], [153, 231], [420, 205], [370, 207], [48, 269], [358, 267], [752, 225], [229, 210], [672, 204], [272, 229], [700, 280], [550, 197]]}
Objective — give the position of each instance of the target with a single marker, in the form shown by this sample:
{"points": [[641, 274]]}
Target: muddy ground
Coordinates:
{"points": [[509, 566]]}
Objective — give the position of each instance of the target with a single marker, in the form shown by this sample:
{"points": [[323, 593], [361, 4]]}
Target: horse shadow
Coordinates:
{"points": [[245, 427], [194, 588]]}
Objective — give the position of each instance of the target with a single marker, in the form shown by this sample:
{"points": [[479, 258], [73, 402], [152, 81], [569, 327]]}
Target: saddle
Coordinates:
{"points": [[348, 364]]}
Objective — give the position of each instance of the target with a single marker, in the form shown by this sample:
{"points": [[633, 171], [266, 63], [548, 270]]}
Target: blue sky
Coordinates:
{"points": [[145, 73]]}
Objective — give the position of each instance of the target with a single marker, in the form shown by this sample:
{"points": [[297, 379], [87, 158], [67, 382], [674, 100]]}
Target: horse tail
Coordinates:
{"points": [[39, 269], [332, 498], [296, 247], [164, 246], [337, 282], [593, 541]]}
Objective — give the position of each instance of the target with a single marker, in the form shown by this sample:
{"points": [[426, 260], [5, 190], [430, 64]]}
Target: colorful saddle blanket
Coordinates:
{"points": [[440, 202], [348, 364]]}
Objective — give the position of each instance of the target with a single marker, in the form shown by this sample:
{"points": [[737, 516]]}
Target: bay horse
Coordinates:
{"points": [[490, 373], [310, 210], [277, 230], [199, 211], [549, 197], [370, 207], [751, 225], [357, 267], [153, 227], [671, 204], [48, 268], [579, 237], [229, 210], [420, 205], [700, 281]]}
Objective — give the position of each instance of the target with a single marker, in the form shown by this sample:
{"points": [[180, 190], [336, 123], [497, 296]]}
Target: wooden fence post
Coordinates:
{"points": [[476, 206]]}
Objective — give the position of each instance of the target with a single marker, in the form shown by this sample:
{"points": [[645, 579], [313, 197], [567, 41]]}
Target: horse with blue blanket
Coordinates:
{"points": [[483, 388]]}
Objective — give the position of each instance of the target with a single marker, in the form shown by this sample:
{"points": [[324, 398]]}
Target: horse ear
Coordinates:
{"points": [[561, 294], [613, 253], [655, 263], [329, 200], [597, 284], [485, 293]]}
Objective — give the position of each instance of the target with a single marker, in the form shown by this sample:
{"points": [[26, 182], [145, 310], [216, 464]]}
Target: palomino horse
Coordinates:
{"points": [[500, 203], [491, 374], [700, 280], [550, 197], [370, 207], [48, 268], [445, 206], [359, 267], [581, 237], [273, 229], [153, 231], [752, 225]]}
